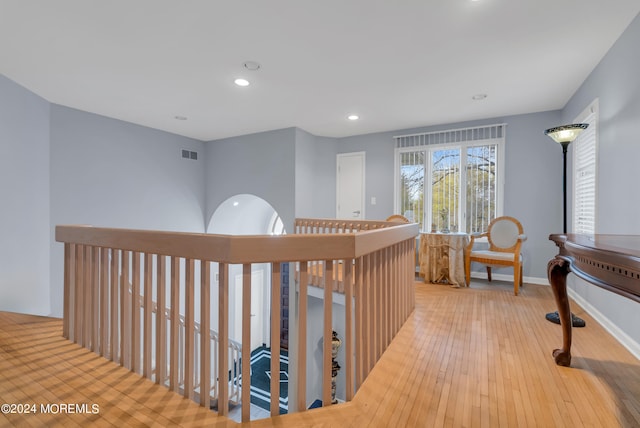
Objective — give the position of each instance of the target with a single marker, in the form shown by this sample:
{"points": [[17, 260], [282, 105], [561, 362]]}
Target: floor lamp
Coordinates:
{"points": [[564, 135]]}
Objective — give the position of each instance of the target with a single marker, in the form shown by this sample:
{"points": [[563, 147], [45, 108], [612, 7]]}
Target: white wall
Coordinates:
{"points": [[111, 173], [24, 196]]}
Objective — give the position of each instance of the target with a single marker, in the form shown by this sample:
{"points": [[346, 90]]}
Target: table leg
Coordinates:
{"points": [[557, 271]]}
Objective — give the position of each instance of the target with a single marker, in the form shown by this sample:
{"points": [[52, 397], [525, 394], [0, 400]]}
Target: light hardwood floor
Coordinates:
{"points": [[466, 357]]}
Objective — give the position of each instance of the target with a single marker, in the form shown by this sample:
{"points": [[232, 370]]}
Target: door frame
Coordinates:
{"points": [[362, 155]]}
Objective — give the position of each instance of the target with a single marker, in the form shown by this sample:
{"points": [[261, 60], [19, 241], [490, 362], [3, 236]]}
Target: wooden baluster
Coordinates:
{"points": [[360, 323], [79, 295], [246, 342], [366, 315], [371, 315], [104, 302], [408, 275], [114, 343], [375, 309], [302, 337], [380, 304], [175, 324], [189, 329], [348, 326], [340, 276], [148, 313], [125, 312], [412, 254], [161, 320], [135, 314], [327, 333], [67, 287], [405, 277], [275, 339], [205, 333], [388, 334], [87, 286], [223, 339], [391, 283], [95, 299], [398, 275]]}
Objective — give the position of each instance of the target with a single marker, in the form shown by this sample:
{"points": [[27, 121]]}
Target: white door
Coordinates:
{"points": [[350, 186], [257, 309]]}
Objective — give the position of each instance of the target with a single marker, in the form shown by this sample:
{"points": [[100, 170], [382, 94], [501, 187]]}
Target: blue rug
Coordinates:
{"points": [[261, 379]]}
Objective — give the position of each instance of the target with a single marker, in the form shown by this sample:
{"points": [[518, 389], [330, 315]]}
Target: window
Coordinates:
{"points": [[451, 180], [585, 149]]}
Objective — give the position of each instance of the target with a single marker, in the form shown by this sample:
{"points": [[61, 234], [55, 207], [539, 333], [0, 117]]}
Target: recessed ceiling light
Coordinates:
{"points": [[180, 117], [241, 82], [251, 65], [479, 97], [353, 117]]}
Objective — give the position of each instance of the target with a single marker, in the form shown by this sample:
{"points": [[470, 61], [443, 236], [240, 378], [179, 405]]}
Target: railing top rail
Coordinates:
{"points": [[236, 249]]}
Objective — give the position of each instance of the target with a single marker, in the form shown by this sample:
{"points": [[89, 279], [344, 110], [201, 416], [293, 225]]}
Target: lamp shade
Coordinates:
{"points": [[566, 133]]}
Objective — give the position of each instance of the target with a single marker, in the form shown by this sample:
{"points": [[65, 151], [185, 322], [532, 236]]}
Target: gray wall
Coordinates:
{"points": [[616, 84], [111, 173], [24, 192], [315, 164], [259, 164]]}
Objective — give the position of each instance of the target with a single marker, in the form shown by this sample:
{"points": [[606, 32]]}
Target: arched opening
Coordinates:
{"points": [[246, 214]]}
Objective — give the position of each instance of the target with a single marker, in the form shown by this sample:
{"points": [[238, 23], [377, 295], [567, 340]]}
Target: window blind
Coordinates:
{"points": [[584, 176], [449, 180], [452, 136]]}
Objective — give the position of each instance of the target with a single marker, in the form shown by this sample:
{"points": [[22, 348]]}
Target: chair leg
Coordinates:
{"points": [[467, 270], [489, 273], [521, 276], [517, 278]]}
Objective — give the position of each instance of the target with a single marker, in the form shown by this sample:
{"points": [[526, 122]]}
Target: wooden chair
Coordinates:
{"points": [[505, 236], [398, 218]]}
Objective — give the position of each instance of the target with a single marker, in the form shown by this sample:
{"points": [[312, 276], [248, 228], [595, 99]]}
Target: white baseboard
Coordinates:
{"points": [[622, 337]]}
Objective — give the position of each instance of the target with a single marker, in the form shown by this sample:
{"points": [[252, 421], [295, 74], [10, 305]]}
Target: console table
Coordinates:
{"points": [[608, 261]]}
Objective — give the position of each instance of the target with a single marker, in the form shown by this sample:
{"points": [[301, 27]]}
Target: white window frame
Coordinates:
{"points": [[591, 116], [463, 146]]}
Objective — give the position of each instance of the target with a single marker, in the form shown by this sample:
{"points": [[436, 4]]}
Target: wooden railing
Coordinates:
{"points": [[234, 349], [115, 279]]}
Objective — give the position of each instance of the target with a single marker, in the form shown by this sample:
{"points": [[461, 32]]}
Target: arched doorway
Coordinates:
{"points": [[246, 214]]}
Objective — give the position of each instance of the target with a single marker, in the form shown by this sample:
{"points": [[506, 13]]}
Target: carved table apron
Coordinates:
{"points": [[608, 261]]}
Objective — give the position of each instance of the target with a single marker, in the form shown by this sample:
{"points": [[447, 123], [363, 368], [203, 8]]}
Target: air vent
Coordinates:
{"points": [[187, 154]]}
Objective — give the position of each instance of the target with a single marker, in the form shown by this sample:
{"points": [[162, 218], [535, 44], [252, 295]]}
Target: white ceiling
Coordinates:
{"points": [[398, 64]]}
